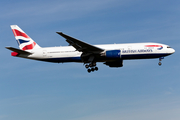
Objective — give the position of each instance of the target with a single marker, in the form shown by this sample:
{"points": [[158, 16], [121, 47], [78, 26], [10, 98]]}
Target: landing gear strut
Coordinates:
{"points": [[91, 67], [160, 59]]}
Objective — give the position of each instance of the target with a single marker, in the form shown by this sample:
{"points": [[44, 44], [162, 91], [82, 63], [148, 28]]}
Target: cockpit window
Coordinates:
{"points": [[168, 47]]}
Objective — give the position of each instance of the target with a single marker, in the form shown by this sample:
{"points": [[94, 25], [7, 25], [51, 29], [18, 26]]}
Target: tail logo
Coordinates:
{"points": [[23, 40], [19, 33], [29, 47], [20, 41]]}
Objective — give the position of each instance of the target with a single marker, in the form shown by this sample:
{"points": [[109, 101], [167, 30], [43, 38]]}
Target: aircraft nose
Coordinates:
{"points": [[172, 51]]}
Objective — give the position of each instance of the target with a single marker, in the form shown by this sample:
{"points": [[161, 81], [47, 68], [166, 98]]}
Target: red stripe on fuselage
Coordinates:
{"points": [[18, 33], [153, 45], [29, 47]]}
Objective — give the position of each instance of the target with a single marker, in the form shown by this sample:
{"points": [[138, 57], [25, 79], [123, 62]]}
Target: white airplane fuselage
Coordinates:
{"points": [[127, 51]]}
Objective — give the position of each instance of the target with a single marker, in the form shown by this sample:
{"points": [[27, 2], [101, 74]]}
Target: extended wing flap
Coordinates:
{"points": [[18, 51], [80, 45]]}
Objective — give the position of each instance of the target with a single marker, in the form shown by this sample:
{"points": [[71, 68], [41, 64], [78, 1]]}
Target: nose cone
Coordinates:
{"points": [[172, 51]]}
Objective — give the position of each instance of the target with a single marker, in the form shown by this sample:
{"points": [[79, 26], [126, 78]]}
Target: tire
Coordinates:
{"points": [[92, 69], [89, 70], [96, 68], [86, 66]]}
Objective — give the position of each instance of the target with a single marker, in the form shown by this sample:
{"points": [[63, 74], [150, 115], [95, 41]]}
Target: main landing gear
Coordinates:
{"points": [[160, 59], [91, 67]]}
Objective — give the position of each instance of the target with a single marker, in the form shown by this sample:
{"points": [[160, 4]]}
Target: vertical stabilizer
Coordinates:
{"points": [[23, 40]]}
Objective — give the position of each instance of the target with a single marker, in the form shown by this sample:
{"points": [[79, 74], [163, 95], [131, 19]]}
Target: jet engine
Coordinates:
{"points": [[118, 63], [112, 54]]}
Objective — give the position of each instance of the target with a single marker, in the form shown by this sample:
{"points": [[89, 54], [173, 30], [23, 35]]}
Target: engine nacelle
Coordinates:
{"points": [[118, 63], [113, 54]]}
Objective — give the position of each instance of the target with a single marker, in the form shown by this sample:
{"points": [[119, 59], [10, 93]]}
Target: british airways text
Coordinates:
{"points": [[137, 51]]}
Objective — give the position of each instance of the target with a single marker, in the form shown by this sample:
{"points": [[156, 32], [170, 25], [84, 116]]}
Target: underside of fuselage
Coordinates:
{"points": [[103, 59]]}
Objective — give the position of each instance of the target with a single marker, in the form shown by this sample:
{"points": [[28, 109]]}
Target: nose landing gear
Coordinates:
{"points": [[159, 63], [160, 59]]}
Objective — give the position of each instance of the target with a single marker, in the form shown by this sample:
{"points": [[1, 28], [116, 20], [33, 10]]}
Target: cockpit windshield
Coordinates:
{"points": [[168, 47]]}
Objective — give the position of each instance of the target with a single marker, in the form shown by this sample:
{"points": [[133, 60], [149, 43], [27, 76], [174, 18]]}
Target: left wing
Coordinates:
{"points": [[81, 46]]}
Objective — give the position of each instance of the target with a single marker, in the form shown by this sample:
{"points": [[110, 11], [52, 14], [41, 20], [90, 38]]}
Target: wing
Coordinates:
{"points": [[79, 45]]}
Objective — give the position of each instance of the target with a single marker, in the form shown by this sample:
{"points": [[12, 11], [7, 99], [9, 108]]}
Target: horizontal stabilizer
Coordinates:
{"points": [[18, 51]]}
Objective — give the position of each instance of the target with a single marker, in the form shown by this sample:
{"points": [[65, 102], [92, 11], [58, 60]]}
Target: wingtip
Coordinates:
{"points": [[59, 32], [7, 47]]}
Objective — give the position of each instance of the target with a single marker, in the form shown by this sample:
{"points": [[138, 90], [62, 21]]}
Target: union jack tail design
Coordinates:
{"points": [[23, 40]]}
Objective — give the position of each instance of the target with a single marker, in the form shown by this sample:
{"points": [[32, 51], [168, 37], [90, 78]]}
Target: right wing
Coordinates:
{"points": [[80, 45]]}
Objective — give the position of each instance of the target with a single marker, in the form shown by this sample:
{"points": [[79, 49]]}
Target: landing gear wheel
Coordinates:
{"points": [[160, 59], [90, 65], [96, 68], [89, 70], [92, 69], [86, 66], [94, 64]]}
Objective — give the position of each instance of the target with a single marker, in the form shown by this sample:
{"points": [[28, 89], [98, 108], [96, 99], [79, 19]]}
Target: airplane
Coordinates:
{"points": [[78, 51]]}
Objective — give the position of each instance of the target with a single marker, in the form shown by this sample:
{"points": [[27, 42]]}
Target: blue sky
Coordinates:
{"points": [[142, 90]]}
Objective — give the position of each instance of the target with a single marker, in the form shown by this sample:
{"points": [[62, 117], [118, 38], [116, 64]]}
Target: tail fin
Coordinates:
{"points": [[23, 40]]}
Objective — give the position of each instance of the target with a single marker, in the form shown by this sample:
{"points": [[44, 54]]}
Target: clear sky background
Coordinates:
{"points": [[140, 90]]}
